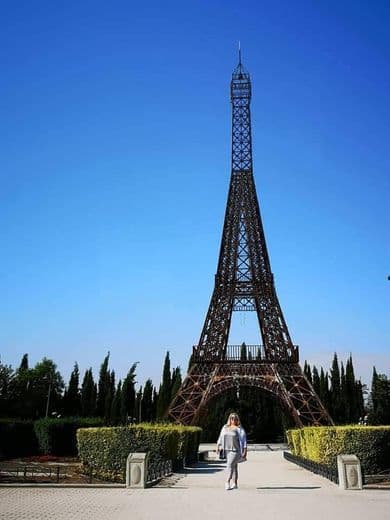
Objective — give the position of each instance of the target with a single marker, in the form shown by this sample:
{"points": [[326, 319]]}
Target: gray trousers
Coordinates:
{"points": [[232, 458]]}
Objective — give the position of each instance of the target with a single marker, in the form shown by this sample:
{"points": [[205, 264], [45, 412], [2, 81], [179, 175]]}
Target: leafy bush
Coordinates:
{"points": [[105, 450], [17, 438], [371, 444], [58, 436]]}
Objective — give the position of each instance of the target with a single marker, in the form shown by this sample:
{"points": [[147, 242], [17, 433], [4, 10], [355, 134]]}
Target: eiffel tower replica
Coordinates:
{"points": [[244, 282]]}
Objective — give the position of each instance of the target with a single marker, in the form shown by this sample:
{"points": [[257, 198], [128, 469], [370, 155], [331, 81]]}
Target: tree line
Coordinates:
{"points": [[348, 399], [39, 391]]}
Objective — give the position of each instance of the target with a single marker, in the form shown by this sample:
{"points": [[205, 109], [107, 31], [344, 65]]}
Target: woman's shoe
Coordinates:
{"points": [[227, 486], [235, 486]]}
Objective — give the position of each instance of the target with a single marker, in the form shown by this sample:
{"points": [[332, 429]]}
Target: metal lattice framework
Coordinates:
{"points": [[244, 282]]}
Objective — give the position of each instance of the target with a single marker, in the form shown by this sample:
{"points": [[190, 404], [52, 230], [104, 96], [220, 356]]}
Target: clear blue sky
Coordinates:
{"points": [[115, 162]]}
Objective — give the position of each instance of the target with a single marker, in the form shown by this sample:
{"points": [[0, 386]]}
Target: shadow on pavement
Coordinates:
{"points": [[289, 487], [205, 470]]}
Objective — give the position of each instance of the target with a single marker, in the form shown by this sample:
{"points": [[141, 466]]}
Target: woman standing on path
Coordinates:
{"points": [[232, 440]]}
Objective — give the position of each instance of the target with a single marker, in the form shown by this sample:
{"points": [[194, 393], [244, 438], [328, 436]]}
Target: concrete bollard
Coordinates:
{"points": [[136, 470], [350, 472]]}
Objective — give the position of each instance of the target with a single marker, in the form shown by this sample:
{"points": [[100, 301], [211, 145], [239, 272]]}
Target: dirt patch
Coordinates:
{"points": [[45, 469]]}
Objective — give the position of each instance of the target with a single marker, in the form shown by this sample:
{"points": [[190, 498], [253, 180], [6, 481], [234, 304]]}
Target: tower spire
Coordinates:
{"points": [[240, 72]]}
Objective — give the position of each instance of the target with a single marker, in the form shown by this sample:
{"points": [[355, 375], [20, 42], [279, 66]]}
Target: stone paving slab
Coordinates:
{"points": [[270, 488]]}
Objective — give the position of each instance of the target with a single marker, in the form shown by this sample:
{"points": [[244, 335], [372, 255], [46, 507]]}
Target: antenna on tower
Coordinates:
{"points": [[239, 53]]}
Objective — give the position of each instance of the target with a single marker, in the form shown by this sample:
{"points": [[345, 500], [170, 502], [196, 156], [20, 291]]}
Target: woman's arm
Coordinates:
{"points": [[244, 447], [220, 439]]}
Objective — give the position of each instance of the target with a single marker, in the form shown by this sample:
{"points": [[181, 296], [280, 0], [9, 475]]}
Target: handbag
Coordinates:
{"points": [[221, 455]]}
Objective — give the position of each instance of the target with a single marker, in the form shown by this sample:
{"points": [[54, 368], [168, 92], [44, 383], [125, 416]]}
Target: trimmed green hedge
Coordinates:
{"points": [[371, 444], [58, 436], [17, 438], [105, 450]]}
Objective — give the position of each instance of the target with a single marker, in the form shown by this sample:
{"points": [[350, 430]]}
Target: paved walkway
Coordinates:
{"points": [[270, 488]]}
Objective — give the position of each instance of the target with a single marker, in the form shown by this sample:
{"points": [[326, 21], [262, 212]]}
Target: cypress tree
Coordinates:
{"points": [[24, 363], [103, 387], [164, 393], [379, 399], [307, 372], [335, 391], [176, 382], [147, 413], [110, 394], [373, 403], [243, 356], [138, 404], [127, 406], [116, 405], [352, 409], [71, 400], [155, 401], [324, 388], [360, 389], [93, 397], [88, 395], [343, 401], [384, 400], [316, 380]]}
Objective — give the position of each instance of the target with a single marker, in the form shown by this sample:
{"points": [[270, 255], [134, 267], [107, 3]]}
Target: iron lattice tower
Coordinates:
{"points": [[244, 282]]}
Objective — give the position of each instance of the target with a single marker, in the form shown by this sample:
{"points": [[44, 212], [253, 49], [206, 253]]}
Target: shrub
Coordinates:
{"points": [[105, 450], [58, 436], [17, 438], [371, 444]]}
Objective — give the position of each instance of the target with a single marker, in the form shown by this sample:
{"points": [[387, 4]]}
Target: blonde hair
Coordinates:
{"points": [[232, 416]]}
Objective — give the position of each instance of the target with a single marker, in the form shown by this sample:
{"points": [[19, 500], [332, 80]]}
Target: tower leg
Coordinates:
{"points": [[307, 404], [186, 405]]}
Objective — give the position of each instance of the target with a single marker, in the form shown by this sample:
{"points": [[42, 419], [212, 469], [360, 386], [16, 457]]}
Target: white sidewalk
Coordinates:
{"points": [[269, 488]]}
